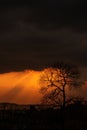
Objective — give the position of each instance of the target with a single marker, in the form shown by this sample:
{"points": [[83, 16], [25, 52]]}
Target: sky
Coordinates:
{"points": [[20, 87], [36, 33], [25, 87]]}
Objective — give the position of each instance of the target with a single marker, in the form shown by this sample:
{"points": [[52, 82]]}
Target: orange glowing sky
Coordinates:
{"points": [[20, 87], [23, 87]]}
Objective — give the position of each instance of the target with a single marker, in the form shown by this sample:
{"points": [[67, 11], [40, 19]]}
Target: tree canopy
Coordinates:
{"points": [[57, 83]]}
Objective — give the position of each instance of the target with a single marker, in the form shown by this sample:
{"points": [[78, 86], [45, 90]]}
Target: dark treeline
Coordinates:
{"points": [[40, 117]]}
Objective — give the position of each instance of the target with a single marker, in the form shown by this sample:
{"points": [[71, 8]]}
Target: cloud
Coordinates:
{"points": [[23, 87], [52, 15], [20, 87], [35, 36], [21, 52]]}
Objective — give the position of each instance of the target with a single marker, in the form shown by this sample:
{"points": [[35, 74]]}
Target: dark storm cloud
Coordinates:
{"points": [[50, 15], [34, 35]]}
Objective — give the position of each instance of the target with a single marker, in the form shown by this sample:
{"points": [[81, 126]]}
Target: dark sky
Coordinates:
{"points": [[36, 33]]}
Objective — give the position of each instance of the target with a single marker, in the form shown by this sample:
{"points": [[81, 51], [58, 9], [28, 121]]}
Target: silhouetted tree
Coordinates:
{"points": [[58, 81], [79, 100]]}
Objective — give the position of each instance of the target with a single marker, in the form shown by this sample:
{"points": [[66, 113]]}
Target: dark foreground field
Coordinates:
{"points": [[13, 117]]}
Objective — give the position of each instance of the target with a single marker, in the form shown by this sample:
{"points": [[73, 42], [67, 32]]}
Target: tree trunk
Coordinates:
{"points": [[62, 118], [63, 110]]}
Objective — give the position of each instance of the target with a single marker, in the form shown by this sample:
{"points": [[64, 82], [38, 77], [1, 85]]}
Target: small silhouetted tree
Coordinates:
{"points": [[56, 83]]}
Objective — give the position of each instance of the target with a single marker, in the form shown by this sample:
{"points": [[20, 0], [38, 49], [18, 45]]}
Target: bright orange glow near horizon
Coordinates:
{"points": [[23, 87], [20, 87]]}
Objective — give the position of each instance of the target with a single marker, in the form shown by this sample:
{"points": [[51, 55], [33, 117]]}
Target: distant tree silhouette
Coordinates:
{"points": [[79, 100], [57, 81]]}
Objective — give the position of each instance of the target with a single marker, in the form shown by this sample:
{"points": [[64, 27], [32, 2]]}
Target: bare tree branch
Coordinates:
{"points": [[56, 80]]}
